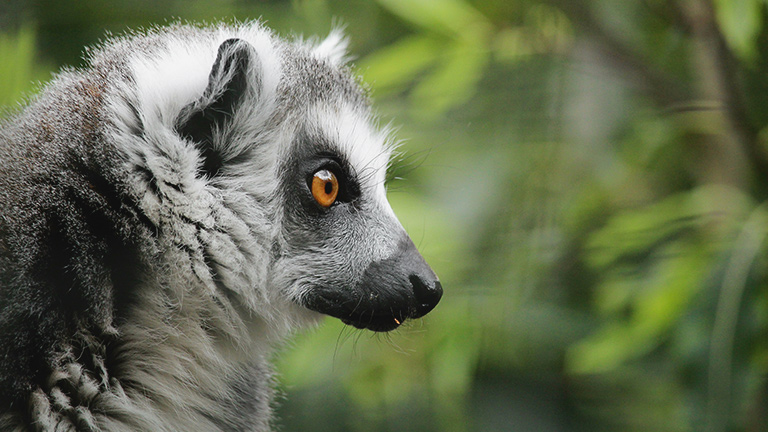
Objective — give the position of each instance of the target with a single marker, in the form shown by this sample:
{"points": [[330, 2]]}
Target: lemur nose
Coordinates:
{"points": [[427, 293]]}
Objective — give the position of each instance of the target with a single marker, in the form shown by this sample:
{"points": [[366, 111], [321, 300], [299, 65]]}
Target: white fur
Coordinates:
{"points": [[333, 48]]}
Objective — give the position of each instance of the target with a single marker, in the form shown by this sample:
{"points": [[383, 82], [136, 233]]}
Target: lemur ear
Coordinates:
{"points": [[206, 120]]}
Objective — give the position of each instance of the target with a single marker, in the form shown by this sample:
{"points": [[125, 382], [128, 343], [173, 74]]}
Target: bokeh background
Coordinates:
{"points": [[588, 177]]}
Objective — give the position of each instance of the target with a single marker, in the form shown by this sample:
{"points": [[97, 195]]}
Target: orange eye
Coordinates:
{"points": [[325, 188]]}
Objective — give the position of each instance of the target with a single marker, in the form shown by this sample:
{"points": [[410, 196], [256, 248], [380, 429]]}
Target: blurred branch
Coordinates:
{"points": [[737, 153], [716, 70], [662, 87], [723, 155]]}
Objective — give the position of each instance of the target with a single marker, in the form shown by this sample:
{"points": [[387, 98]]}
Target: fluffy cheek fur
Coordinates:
{"points": [[335, 255]]}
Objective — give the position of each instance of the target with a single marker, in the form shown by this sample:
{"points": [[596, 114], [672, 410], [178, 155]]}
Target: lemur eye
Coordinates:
{"points": [[325, 187]]}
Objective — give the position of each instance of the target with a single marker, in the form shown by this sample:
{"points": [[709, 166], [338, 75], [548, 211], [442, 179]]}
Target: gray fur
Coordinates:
{"points": [[158, 237]]}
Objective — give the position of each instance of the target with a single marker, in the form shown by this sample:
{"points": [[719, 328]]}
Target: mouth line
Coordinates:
{"points": [[380, 323], [377, 318]]}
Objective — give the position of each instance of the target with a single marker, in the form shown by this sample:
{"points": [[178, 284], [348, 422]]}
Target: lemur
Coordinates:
{"points": [[173, 210]]}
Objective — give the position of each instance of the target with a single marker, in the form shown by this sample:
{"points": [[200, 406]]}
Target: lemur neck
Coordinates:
{"points": [[187, 358]]}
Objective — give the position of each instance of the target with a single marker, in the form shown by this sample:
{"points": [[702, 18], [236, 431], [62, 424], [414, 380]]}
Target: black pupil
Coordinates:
{"points": [[328, 187]]}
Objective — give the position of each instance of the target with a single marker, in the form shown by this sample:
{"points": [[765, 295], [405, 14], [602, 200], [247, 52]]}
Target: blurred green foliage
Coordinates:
{"points": [[17, 69], [589, 179]]}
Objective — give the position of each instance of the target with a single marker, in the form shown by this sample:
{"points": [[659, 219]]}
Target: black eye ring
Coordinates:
{"points": [[329, 181]]}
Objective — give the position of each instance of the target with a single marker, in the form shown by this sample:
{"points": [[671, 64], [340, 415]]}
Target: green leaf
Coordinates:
{"points": [[740, 22], [661, 299], [454, 80], [635, 232], [394, 67], [678, 275], [450, 17], [16, 64], [606, 350], [654, 261]]}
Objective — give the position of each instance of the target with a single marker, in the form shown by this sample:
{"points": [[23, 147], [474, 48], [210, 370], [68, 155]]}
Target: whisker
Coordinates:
{"points": [[404, 164]]}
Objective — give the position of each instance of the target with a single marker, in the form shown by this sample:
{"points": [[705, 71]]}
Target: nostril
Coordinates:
{"points": [[427, 293]]}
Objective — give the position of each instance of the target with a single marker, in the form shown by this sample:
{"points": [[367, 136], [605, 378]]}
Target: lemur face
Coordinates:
{"points": [[338, 248], [359, 265], [343, 247]]}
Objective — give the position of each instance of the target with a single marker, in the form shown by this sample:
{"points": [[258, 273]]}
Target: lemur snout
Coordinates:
{"points": [[389, 292], [425, 285], [428, 294]]}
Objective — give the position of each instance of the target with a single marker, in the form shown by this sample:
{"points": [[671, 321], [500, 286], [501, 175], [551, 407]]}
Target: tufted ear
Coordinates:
{"points": [[205, 121], [334, 48]]}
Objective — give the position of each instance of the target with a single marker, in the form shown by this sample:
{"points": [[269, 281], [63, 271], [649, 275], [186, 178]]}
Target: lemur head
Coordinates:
{"points": [[285, 159]]}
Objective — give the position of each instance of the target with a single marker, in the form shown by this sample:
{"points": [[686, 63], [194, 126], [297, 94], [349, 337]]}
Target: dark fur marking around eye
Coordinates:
{"points": [[321, 154]]}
